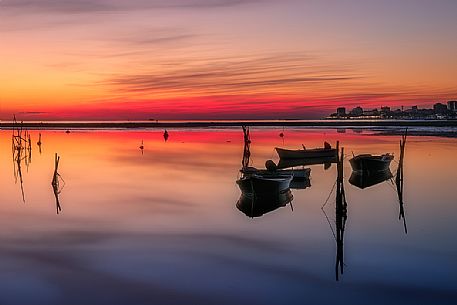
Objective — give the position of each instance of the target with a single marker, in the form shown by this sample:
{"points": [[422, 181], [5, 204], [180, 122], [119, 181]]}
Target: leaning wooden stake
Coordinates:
{"points": [[246, 150]]}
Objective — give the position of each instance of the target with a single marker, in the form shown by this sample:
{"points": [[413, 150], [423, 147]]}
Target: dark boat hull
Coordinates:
{"points": [[289, 163], [295, 173], [368, 163], [268, 185], [306, 153]]}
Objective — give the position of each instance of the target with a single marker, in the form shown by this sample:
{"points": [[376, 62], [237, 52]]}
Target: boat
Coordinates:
{"points": [[363, 179], [269, 184], [295, 173], [326, 151], [289, 163], [371, 163]]}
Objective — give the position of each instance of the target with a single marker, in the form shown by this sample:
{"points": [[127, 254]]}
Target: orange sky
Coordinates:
{"points": [[209, 59]]}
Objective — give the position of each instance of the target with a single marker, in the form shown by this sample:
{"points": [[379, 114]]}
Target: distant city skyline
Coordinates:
{"points": [[222, 59], [447, 110]]}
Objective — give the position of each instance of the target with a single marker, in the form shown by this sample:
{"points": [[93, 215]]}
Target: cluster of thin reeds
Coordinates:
{"points": [[21, 148]]}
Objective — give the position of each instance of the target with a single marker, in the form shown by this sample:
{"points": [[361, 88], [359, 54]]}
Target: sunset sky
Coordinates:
{"points": [[222, 59]]}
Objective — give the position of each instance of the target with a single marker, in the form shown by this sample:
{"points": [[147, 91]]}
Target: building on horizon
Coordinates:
{"points": [[439, 111], [341, 112], [452, 106], [357, 111], [371, 113], [440, 108], [385, 109]]}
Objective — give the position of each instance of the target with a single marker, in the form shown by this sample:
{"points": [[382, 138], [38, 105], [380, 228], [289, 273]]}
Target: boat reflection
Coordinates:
{"points": [[263, 200], [364, 180], [300, 183]]}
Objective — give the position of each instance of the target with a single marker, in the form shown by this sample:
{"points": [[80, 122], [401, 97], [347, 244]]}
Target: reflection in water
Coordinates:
{"points": [[165, 135], [22, 152], [39, 143], [340, 217], [374, 173], [145, 243], [263, 200], [299, 183], [57, 183], [142, 147], [364, 180], [399, 181]]}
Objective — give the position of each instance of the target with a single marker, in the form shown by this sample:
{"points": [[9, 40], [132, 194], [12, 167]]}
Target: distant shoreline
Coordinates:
{"points": [[215, 124]]}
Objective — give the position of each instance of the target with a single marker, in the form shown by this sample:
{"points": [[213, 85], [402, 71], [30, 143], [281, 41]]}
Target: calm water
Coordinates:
{"points": [[162, 227]]}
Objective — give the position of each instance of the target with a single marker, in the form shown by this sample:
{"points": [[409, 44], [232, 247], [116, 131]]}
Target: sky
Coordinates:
{"points": [[222, 59]]}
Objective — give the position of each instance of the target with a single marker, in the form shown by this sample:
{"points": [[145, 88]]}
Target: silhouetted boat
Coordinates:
{"points": [[371, 163], [295, 173], [289, 163], [264, 184], [304, 153], [364, 179], [258, 204]]}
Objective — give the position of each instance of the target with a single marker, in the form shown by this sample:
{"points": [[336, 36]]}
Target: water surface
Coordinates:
{"points": [[160, 226]]}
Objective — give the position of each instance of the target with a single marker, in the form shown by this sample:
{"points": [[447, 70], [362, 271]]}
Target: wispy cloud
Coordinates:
{"points": [[279, 73], [86, 6]]}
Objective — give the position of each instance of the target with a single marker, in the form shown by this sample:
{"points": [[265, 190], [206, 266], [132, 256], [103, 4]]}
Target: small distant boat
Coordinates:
{"points": [[326, 151], [371, 163]]}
